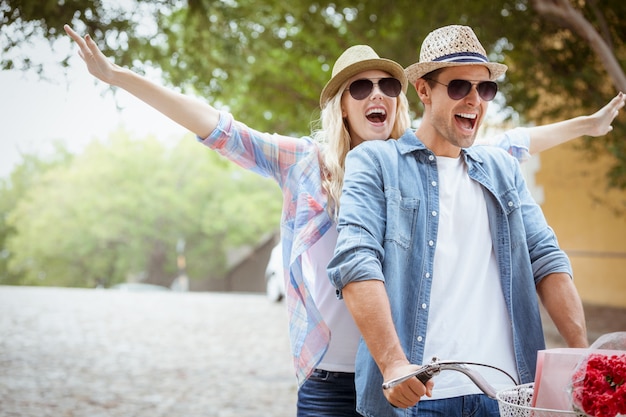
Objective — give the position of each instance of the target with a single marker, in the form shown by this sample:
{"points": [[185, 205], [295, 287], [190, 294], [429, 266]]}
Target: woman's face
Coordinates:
{"points": [[371, 117]]}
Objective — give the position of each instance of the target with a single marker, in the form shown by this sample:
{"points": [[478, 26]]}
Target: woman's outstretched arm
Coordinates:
{"points": [[191, 113], [554, 134]]}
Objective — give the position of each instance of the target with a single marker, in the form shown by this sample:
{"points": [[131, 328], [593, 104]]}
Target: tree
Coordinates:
{"points": [[25, 176], [563, 12], [582, 50], [267, 61], [120, 208]]}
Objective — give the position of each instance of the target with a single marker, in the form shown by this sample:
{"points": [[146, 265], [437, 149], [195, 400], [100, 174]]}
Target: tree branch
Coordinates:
{"points": [[563, 12], [604, 27]]}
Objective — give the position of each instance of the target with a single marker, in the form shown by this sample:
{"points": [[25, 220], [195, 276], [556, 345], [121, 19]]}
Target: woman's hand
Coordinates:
{"points": [[195, 115], [98, 65], [601, 120]]}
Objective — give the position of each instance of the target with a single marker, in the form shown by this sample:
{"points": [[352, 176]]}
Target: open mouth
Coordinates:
{"points": [[376, 115], [467, 120]]}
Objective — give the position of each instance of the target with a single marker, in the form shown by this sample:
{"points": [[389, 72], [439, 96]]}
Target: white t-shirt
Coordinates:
{"points": [[467, 319], [344, 334]]}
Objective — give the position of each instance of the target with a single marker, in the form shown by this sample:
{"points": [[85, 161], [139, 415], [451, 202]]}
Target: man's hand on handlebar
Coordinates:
{"points": [[409, 392]]}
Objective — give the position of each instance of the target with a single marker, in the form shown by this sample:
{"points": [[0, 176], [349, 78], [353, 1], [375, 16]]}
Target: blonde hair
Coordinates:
{"points": [[335, 138]]}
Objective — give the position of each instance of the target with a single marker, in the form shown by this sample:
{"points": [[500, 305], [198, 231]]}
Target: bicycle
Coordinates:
{"points": [[512, 402]]}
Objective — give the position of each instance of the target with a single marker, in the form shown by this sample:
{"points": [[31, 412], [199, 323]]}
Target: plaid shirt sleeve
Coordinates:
{"points": [[270, 155], [516, 142], [294, 164]]}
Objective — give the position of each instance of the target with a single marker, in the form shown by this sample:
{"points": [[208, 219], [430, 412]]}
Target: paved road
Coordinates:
{"points": [[92, 353], [106, 353]]}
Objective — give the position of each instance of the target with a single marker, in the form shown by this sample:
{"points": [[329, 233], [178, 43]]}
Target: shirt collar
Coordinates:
{"points": [[409, 142]]}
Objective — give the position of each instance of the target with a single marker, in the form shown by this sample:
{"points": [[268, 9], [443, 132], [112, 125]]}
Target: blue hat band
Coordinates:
{"points": [[463, 57]]}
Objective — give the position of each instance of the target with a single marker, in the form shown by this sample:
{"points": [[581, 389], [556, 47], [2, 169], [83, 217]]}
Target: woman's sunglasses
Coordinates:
{"points": [[457, 89], [361, 89]]}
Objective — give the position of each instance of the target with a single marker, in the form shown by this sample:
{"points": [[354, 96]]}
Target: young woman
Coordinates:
{"points": [[364, 100]]}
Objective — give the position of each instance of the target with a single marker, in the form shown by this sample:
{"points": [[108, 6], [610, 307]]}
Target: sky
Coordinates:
{"points": [[72, 107]]}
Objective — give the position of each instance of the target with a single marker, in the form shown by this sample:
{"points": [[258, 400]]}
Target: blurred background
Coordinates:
{"points": [[97, 190]]}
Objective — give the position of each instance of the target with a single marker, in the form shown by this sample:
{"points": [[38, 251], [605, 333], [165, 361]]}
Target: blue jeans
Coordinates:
{"points": [[328, 394], [478, 405]]}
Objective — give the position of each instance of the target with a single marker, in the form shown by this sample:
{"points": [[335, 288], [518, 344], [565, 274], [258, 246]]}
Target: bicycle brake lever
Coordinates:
{"points": [[424, 374]]}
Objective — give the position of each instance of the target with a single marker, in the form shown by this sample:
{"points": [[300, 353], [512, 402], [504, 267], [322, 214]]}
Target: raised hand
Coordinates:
{"points": [[97, 63], [195, 115], [601, 120]]}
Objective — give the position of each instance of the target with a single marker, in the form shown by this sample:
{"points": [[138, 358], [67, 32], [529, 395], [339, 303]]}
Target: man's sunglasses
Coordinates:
{"points": [[361, 89], [457, 89]]}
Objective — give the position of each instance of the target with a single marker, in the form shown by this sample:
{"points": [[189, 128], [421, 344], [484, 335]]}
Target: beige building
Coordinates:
{"points": [[588, 218]]}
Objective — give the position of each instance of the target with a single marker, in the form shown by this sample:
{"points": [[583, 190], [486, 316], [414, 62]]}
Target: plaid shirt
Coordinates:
{"points": [[294, 164], [516, 142]]}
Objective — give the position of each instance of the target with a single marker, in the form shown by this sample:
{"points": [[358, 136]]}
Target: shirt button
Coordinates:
{"points": [[424, 306], [431, 158], [434, 183], [419, 338], [427, 275], [430, 243], [510, 204], [434, 213]]}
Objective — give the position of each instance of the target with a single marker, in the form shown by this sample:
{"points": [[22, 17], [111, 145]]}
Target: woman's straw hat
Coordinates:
{"points": [[357, 59], [452, 46]]}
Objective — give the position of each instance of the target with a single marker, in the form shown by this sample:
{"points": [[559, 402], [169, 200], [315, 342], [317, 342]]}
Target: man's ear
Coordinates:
{"points": [[423, 90]]}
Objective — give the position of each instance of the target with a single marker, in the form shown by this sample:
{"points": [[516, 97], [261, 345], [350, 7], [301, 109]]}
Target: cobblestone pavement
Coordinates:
{"points": [[106, 353], [92, 353]]}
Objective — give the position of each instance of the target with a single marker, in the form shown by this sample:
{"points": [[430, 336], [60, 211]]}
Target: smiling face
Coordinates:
{"points": [[449, 124], [373, 117]]}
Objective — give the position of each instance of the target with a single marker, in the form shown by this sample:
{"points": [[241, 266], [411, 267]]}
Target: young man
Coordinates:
{"points": [[442, 250]]}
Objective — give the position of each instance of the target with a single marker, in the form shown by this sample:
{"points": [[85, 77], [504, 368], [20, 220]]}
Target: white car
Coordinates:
{"points": [[274, 281]]}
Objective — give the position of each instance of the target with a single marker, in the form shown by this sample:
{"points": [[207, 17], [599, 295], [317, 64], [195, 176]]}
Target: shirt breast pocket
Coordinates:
{"points": [[401, 218]]}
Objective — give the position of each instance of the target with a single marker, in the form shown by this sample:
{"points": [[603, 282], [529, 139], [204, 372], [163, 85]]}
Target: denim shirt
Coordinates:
{"points": [[387, 232], [294, 163]]}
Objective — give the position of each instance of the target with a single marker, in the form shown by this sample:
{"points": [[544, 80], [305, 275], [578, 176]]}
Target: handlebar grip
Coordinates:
{"points": [[424, 374]]}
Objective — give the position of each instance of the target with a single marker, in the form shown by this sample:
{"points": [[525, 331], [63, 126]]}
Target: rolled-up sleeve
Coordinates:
{"points": [[546, 256], [516, 142], [361, 224], [267, 154]]}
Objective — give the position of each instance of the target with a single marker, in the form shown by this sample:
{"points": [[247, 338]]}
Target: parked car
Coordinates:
{"points": [[274, 281]]}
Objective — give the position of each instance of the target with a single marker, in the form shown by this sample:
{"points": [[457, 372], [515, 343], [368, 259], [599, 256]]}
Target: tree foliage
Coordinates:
{"points": [[13, 189], [267, 61], [119, 209]]}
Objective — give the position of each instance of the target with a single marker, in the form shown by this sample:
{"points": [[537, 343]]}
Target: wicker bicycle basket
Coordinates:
{"points": [[517, 402]]}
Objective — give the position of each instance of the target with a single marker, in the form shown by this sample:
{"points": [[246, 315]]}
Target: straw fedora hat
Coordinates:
{"points": [[452, 46], [357, 59]]}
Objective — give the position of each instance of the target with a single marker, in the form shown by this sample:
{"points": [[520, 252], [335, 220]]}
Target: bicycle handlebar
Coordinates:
{"points": [[426, 372]]}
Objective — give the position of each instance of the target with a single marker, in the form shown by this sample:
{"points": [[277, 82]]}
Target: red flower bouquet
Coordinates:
{"points": [[599, 385]]}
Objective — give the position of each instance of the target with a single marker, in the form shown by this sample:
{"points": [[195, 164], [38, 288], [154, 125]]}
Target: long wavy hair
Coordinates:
{"points": [[334, 136]]}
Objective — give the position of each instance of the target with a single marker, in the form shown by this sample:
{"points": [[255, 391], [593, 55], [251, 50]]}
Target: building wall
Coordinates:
{"points": [[587, 220], [247, 273]]}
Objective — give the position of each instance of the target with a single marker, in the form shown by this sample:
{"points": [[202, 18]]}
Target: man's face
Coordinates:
{"points": [[457, 121]]}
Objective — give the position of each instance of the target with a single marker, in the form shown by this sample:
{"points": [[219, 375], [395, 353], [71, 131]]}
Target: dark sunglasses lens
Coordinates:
{"points": [[360, 89], [487, 90], [457, 89], [390, 86]]}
